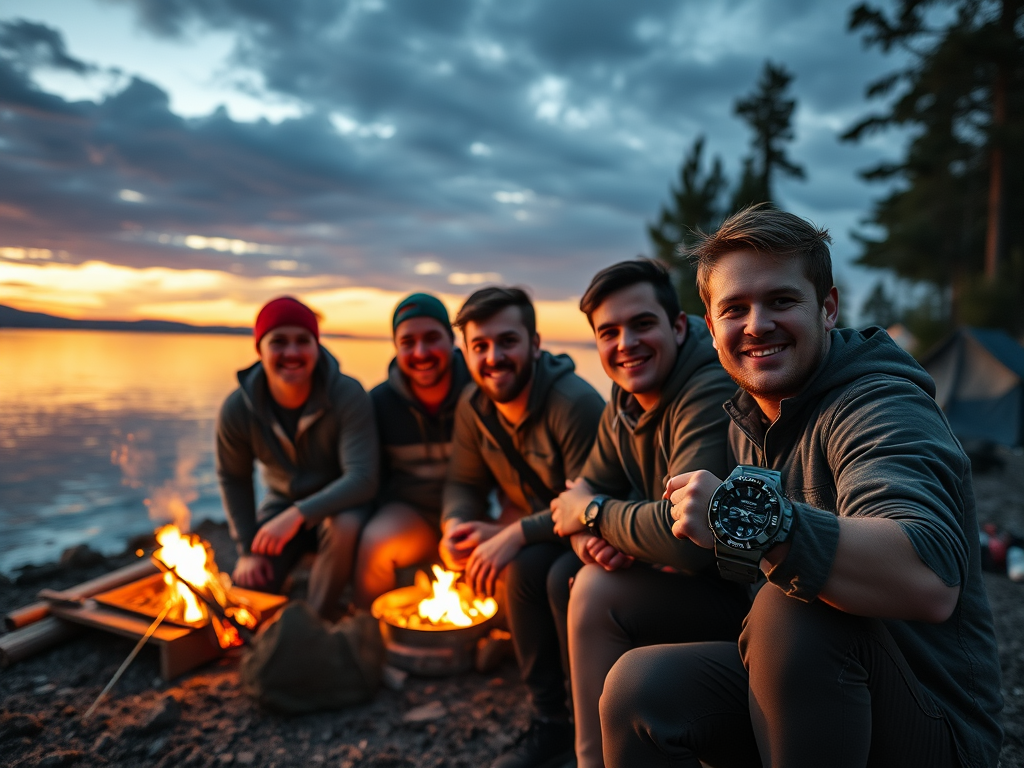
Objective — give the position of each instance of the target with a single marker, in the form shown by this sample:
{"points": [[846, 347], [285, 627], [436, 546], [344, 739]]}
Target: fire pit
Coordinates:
{"points": [[432, 628], [204, 614]]}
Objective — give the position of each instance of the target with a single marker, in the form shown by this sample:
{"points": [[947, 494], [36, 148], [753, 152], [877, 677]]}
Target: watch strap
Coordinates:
{"points": [[593, 521], [744, 565]]}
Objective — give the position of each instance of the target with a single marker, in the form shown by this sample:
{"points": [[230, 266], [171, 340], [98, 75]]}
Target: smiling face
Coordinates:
{"points": [[637, 342], [423, 351], [500, 354], [289, 354], [767, 325]]}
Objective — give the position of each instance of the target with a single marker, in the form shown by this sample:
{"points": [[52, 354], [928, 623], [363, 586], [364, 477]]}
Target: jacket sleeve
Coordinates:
{"points": [[469, 480], [575, 427], [698, 431], [234, 459], [358, 458], [900, 462]]}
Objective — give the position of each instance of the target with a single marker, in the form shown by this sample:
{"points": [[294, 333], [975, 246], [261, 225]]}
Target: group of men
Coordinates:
{"points": [[786, 574]]}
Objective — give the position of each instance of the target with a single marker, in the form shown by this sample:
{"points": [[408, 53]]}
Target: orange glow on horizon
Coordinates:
{"points": [[96, 290]]}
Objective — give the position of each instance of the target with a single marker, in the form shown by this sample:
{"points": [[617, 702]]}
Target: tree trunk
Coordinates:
{"points": [[994, 230]]}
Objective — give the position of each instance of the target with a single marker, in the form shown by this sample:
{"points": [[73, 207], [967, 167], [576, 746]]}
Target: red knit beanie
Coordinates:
{"points": [[284, 310]]}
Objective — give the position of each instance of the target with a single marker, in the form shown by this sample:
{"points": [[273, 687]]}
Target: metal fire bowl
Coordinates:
{"points": [[431, 652]]}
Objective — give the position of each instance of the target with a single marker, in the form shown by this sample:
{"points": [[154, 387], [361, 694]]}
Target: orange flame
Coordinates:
{"points": [[192, 559], [447, 606]]}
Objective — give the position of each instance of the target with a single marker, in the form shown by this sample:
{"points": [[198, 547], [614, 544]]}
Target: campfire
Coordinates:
{"points": [[445, 605], [432, 627], [176, 599], [197, 590]]}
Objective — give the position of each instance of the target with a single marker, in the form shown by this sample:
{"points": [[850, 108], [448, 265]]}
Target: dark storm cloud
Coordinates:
{"points": [[418, 117]]}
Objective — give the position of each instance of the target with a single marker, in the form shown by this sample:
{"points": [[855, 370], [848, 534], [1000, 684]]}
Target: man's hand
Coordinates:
{"points": [[278, 531], [460, 539], [491, 556], [607, 556], [252, 571], [568, 507], [579, 546], [690, 494]]}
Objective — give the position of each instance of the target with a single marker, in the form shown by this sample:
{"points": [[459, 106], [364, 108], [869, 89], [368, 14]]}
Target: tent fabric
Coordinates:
{"points": [[979, 383]]}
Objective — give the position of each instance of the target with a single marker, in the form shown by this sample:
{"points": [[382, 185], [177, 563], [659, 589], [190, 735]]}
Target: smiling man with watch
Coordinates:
{"points": [[871, 644], [665, 417]]}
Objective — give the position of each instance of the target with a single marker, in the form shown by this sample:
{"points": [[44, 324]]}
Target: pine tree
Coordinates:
{"points": [[694, 205], [769, 113], [954, 221]]}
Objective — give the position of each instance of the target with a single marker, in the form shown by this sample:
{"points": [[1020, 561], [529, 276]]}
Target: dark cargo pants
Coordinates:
{"points": [[808, 685], [537, 588]]}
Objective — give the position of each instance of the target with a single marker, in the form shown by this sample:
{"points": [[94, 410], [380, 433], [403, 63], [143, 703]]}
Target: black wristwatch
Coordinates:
{"points": [[592, 514], [748, 514]]}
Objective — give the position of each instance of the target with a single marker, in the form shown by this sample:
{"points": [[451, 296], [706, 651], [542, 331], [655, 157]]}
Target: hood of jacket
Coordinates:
{"points": [[852, 355], [547, 369], [256, 391], [693, 354]]}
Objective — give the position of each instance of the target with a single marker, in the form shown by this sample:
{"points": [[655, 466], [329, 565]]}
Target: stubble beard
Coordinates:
{"points": [[522, 378]]}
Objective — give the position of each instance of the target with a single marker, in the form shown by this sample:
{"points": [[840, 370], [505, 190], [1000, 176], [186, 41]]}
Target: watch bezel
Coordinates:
{"points": [[771, 527]]}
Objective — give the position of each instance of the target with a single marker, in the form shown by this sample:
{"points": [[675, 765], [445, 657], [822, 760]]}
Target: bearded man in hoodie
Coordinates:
{"points": [[523, 428], [415, 410], [871, 644], [311, 429], [664, 418]]}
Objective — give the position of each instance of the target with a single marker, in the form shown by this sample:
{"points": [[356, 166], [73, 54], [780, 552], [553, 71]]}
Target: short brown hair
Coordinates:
{"points": [[769, 232], [487, 302], [627, 273]]}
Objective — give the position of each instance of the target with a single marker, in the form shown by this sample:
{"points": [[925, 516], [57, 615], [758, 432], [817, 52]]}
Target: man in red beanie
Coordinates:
{"points": [[312, 431]]}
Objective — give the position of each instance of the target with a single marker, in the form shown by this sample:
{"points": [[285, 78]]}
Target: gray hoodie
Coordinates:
{"points": [[865, 438], [331, 466], [637, 451], [554, 437]]}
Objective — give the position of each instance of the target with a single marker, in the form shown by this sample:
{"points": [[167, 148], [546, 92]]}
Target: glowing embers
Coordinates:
{"points": [[199, 592], [447, 606]]}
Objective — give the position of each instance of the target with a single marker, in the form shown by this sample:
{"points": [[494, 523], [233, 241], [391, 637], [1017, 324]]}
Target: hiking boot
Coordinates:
{"points": [[545, 745]]}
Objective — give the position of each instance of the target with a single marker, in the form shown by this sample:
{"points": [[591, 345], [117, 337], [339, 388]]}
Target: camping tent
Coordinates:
{"points": [[979, 383]]}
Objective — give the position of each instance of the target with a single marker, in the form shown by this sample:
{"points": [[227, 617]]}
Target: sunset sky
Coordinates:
{"points": [[188, 160]]}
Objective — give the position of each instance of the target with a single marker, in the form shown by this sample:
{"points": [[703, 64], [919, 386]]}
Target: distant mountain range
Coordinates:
{"points": [[16, 318]]}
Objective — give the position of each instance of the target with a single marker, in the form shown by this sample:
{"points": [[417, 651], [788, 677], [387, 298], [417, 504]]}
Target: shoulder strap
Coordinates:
{"points": [[526, 473]]}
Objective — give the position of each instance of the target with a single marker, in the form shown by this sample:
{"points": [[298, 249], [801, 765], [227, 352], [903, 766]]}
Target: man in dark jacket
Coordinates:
{"points": [[311, 429], [415, 410], [524, 428], [664, 418], [872, 641]]}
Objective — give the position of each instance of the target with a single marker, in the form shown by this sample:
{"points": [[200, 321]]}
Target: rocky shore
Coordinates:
{"points": [[204, 719]]}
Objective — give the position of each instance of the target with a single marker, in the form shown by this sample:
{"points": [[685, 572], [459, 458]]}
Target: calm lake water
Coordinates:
{"points": [[100, 432]]}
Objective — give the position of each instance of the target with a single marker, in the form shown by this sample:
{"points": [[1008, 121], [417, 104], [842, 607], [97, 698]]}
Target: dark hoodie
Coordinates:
{"points": [[554, 437], [865, 438], [636, 453], [415, 445], [330, 467]]}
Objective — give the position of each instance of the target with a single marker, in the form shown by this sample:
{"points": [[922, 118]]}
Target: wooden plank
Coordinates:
{"points": [[21, 617], [35, 638]]}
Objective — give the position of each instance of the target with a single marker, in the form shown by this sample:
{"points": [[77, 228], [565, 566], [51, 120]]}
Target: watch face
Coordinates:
{"points": [[744, 513]]}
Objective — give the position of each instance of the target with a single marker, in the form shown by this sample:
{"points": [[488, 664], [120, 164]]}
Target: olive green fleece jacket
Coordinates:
{"points": [[553, 437], [636, 452], [331, 466], [865, 438]]}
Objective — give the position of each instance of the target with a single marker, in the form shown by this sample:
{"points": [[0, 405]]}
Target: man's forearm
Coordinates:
{"points": [[240, 510], [643, 530], [876, 572]]}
